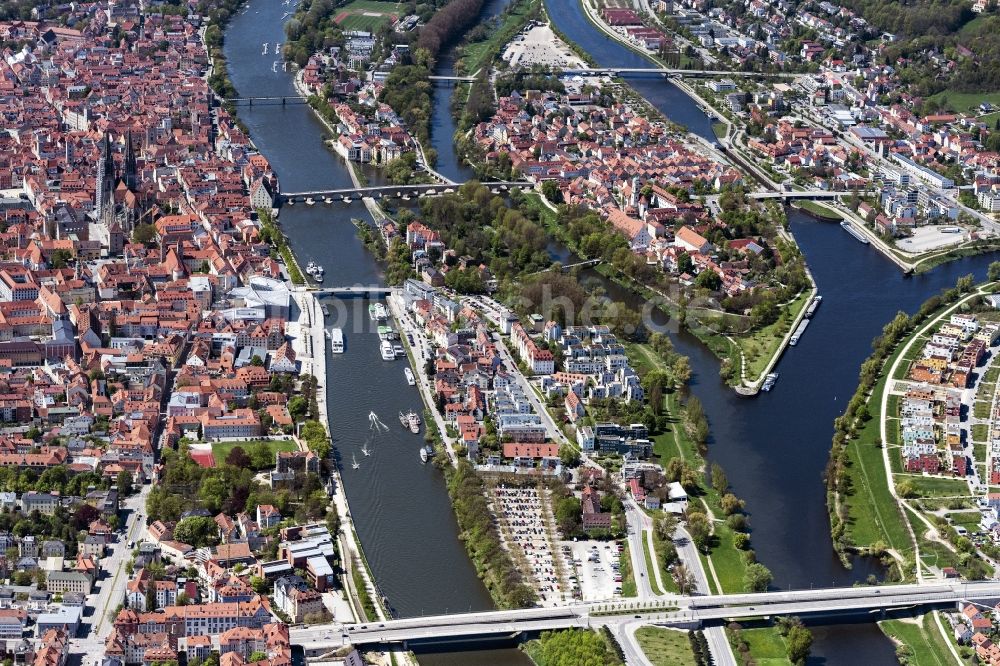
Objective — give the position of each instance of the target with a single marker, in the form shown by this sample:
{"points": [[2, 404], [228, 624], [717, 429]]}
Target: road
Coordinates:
{"points": [[553, 431], [638, 523], [718, 643], [110, 590]]}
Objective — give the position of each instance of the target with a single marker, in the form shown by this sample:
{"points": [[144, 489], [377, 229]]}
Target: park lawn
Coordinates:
{"points": [[980, 431], [725, 556], [979, 452], [760, 346], [924, 639], [932, 486], [896, 460], [934, 555], [220, 450], [665, 647], [981, 409], [767, 647]]}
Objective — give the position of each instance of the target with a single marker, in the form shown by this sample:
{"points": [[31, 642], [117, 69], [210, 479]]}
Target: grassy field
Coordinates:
{"points": [[650, 565], [980, 431], [767, 647], [929, 486], [967, 519], [819, 210], [966, 101], [981, 409], [367, 15], [873, 514], [220, 450], [665, 647], [924, 639], [628, 578]]}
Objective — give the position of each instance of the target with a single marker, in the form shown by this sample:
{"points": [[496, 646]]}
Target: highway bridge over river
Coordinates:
{"points": [[668, 610]]}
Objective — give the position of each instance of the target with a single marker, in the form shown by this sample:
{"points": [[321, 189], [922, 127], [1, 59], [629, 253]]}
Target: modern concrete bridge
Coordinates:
{"points": [[670, 610]]}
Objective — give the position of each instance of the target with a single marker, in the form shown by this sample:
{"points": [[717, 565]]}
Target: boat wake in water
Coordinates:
{"points": [[375, 423]]}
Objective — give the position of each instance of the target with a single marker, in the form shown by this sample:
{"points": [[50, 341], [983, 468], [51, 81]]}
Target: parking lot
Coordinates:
{"points": [[540, 46], [929, 238], [596, 564], [522, 524]]}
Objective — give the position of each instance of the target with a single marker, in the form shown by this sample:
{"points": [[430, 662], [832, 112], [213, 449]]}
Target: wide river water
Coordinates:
{"points": [[773, 447]]}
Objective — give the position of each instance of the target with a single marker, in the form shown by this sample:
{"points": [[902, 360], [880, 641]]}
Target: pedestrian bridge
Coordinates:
{"points": [[670, 610], [401, 191], [355, 292]]}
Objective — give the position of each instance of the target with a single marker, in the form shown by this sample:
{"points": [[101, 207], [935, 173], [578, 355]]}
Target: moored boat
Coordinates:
{"points": [[769, 381], [413, 421], [409, 377], [337, 341], [387, 353]]}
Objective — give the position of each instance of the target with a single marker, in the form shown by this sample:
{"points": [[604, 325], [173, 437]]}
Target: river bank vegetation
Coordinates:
{"points": [[572, 647], [271, 234]]}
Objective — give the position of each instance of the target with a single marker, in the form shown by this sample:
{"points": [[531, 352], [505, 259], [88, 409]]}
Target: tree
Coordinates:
{"points": [[238, 458], [799, 641], [124, 483], [719, 481], [757, 578], [685, 580], [144, 233], [700, 530], [993, 272], [731, 504], [708, 280], [550, 189], [665, 526], [297, 407], [60, 258], [197, 531]]}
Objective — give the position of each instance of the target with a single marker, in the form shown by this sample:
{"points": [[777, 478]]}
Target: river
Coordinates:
{"points": [[773, 448], [400, 507]]}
